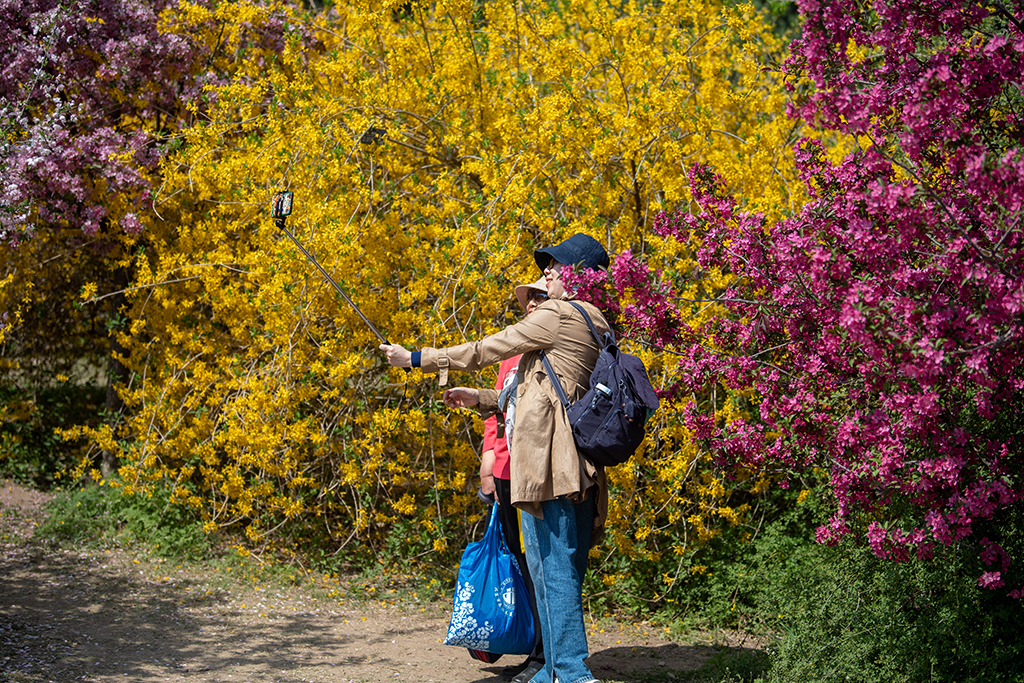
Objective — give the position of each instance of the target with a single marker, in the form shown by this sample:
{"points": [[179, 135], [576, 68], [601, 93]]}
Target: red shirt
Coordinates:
{"points": [[507, 368]]}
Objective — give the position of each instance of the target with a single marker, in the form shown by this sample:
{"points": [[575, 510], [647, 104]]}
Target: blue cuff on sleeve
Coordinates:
{"points": [[415, 359]]}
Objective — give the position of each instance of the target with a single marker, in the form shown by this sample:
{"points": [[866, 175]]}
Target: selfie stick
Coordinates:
{"points": [[283, 208]]}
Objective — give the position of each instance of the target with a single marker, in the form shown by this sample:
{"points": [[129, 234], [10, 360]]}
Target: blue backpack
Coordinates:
{"points": [[609, 421]]}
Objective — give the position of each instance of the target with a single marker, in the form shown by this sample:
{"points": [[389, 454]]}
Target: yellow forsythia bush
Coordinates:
{"points": [[430, 151]]}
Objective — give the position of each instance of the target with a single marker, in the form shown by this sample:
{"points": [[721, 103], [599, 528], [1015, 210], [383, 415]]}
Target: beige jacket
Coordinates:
{"points": [[545, 463]]}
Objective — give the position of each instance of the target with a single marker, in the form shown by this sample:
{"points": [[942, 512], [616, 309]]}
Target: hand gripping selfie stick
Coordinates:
{"points": [[282, 209]]}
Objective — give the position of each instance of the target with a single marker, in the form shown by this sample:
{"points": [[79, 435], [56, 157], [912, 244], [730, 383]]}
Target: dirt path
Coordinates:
{"points": [[105, 616]]}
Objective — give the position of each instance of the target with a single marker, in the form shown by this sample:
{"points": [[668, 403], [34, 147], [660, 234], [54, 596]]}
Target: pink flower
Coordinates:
{"points": [[130, 224], [990, 580]]}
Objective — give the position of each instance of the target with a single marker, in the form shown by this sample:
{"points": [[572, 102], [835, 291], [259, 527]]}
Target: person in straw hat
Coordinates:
{"points": [[495, 477], [564, 494]]}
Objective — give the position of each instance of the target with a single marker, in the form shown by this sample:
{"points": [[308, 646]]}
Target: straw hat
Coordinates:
{"points": [[523, 291]]}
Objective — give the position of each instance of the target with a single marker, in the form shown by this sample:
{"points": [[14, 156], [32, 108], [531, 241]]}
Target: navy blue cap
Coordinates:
{"points": [[579, 249]]}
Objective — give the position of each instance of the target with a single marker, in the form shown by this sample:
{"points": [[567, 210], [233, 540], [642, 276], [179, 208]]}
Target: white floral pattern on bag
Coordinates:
{"points": [[464, 629]]}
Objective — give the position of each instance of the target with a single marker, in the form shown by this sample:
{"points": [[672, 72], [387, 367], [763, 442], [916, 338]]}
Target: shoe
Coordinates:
{"points": [[531, 670], [510, 672]]}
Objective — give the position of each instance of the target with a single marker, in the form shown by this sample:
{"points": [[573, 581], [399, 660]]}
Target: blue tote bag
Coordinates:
{"points": [[491, 610]]}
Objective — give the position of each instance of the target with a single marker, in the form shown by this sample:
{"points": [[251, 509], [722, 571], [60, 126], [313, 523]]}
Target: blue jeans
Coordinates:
{"points": [[557, 548]]}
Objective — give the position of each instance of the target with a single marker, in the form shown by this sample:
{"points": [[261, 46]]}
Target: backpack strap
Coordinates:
{"points": [[554, 380], [590, 323]]}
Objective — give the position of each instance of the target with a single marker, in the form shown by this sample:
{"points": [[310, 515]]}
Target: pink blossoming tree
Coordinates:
{"points": [[87, 90], [882, 326]]}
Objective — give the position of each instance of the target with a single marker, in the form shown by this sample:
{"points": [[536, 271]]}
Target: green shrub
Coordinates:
{"points": [[842, 614], [97, 514], [723, 583], [31, 452], [845, 615]]}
